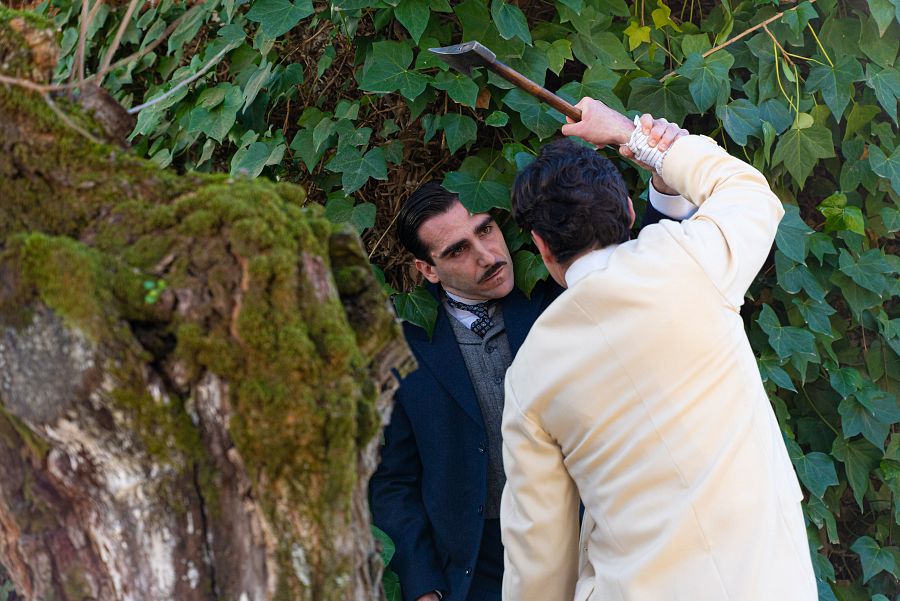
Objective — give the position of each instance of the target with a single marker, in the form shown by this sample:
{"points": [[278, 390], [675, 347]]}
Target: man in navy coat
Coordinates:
{"points": [[436, 492]]}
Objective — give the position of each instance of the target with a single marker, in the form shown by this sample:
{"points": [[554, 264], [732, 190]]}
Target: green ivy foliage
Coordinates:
{"points": [[810, 100]]}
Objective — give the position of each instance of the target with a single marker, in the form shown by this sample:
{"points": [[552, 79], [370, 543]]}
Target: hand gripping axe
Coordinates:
{"points": [[464, 57]]}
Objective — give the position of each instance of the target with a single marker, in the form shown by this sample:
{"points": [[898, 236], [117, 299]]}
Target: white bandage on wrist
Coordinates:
{"points": [[642, 151]]}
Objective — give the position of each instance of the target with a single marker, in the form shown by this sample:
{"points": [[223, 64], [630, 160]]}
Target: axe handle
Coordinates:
{"points": [[516, 78]]}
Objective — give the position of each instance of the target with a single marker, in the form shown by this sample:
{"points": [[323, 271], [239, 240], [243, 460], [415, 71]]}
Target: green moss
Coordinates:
{"points": [[251, 299], [34, 20]]}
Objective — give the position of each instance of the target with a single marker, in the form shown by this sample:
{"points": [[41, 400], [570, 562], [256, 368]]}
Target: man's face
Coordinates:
{"points": [[469, 253]]}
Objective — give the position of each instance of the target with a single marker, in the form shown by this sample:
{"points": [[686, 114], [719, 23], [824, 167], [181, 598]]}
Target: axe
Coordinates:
{"points": [[463, 57]]}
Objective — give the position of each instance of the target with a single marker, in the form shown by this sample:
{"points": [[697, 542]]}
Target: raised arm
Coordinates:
{"points": [[738, 214]]}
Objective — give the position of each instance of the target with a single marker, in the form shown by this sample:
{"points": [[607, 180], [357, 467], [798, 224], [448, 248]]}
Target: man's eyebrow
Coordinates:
{"points": [[484, 223], [452, 249], [448, 250]]}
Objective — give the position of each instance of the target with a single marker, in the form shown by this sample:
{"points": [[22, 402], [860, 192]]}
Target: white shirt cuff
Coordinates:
{"points": [[672, 206]]}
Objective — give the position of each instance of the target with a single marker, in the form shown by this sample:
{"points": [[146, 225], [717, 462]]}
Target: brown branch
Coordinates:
{"points": [[132, 6], [68, 122], [78, 63], [784, 53], [737, 37]]}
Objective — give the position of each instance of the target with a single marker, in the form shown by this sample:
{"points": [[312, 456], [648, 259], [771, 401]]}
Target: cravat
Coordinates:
{"points": [[484, 322]]}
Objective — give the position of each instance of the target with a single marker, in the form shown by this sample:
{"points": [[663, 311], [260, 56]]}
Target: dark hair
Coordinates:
{"points": [[574, 198], [428, 200]]}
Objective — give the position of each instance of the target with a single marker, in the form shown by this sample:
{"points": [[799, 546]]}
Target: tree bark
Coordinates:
{"points": [[194, 372]]}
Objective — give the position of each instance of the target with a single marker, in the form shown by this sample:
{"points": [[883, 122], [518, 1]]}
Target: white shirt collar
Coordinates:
{"points": [[588, 263], [464, 317]]}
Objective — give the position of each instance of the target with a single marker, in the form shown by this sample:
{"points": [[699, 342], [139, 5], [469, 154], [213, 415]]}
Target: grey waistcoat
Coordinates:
{"points": [[487, 360]]}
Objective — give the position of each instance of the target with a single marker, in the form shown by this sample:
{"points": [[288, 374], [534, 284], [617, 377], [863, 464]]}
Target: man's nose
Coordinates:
{"points": [[485, 256]]}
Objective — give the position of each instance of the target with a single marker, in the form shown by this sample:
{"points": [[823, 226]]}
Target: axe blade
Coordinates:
{"points": [[464, 57]]}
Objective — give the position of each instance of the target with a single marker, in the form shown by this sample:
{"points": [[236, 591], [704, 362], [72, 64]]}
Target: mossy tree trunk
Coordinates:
{"points": [[193, 374]]}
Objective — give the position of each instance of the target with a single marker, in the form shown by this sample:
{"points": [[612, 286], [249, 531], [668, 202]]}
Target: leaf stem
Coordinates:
{"points": [[819, 413], [821, 47], [737, 37]]}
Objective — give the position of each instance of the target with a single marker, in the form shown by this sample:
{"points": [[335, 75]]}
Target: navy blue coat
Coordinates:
{"points": [[430, 488]]}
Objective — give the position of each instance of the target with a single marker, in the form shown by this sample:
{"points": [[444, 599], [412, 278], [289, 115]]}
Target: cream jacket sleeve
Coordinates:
{"points": [[732, 232], [540, 521]]}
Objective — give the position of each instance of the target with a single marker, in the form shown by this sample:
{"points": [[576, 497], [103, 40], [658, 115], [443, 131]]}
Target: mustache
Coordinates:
{"points": [[491, 271]]}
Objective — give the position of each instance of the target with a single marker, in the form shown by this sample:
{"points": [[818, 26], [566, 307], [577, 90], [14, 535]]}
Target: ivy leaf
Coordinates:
{"points": [[413, 15], [770, 369], [741, 119], [874, 559], [356, 168], [886, 83], [598, 82], [801, 149], [858, 298], [883, 12], [777, 113], [510, 21], [670, 99], [786, 341], [387, 70], [869, 271], [217, 122], [252, 159], [459, 87], [709, 79], [257, 81], [793, 235], [460, 130], [886, 167], [793, 277], [816, 471], [497, 119], [798, 18], [418, 308], [815, 313], [891, 218], [477, 189], [276, 17], [846, 381], [839, 216], [857, 418], [859, 459], [529, 269], [821, 244], [835, 83], [341, 209], [637, 35], [304, 146], [611, 51], [558, 53], [536, 116]]}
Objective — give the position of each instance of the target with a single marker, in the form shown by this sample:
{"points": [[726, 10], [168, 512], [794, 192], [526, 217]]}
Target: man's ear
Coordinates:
{"points": [[428, 270], [631, 213], [543, 247]]}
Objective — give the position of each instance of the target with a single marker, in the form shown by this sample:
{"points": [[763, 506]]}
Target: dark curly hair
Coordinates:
{"points": [[574, 198], [429, 199]]}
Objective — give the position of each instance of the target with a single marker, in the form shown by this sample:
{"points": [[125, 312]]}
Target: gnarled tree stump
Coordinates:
{"points": [[193, 373]]}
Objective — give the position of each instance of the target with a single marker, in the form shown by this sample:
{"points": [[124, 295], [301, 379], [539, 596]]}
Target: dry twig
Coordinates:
{"points": [[737, 37]]}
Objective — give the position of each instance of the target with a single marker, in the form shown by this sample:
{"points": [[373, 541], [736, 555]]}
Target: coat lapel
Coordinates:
{"points": [[444, 361]]}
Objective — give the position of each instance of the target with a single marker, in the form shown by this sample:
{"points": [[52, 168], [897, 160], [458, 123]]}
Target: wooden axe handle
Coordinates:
{"points": [[519, 80]]}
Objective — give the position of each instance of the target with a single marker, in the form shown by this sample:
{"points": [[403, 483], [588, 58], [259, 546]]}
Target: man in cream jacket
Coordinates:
{"points": [[637, 392]]}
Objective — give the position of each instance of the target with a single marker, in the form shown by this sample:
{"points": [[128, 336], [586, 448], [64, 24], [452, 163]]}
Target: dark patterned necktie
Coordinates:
{"points": [[484, 322]]}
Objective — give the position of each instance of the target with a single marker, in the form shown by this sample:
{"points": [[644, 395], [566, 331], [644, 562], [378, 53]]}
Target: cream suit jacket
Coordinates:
{"points": [[637, 392]]}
